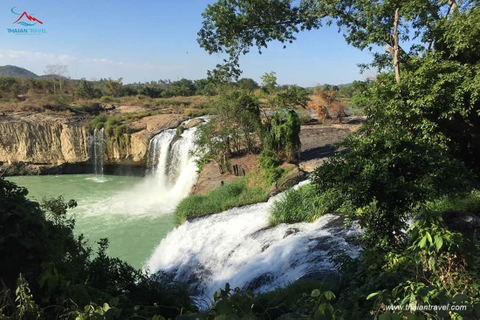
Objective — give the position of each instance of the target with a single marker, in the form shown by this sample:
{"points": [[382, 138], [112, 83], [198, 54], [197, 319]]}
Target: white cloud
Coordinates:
{"points": [[51, 58]]}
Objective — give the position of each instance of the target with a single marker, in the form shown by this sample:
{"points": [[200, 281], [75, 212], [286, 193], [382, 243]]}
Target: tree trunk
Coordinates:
{"points": [[395, 51]]}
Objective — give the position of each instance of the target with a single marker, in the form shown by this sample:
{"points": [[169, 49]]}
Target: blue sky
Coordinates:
{"points": [[151, 40]]}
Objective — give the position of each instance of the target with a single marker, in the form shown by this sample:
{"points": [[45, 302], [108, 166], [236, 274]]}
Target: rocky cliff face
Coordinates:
{"points": [[45, 140], [34, 143]]}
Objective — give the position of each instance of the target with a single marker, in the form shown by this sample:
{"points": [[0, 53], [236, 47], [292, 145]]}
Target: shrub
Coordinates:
{"points": [[269, 162], [234, 194], [303, 205], [97, 123]]}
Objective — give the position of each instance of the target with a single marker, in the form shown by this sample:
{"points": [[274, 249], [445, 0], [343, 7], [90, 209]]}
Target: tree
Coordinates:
{"points": [[235, 129], [58, 73], [291, 98], [269, 82], [85, 90], [234, 26], [113, 87], [182, 87], [247, 84]]}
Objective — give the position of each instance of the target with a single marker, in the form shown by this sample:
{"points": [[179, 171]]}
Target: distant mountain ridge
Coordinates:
{"points": [[16, 72]]}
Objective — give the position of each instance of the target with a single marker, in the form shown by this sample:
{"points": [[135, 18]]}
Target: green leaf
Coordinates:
{"points": [[319, 315], [476, 308], [315, 293], [460, 298], [114, 301], [395, 316], [410, 316], [422, 242], [395, 292], [438, 242], [371, 295], [106, 307], [429, 237], [329, 295]]}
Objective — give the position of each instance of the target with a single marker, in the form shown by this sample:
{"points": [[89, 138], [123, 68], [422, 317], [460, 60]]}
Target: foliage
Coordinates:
{"points": [[247, 84], [58, 272], [85, 90], [327, 105], [269, 82], [303, 204], [283, 135], [292, 98], [419, 146], [270, 165], [235, 129], [232, 27], [97, 123], [113, 87], [385, 176], [230, 195]]}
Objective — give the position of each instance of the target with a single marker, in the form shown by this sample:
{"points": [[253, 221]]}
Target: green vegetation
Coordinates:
{"points": [[415, 159], [60, 276], [243, 191], [303, 205], [270, 164], [17, 72]]}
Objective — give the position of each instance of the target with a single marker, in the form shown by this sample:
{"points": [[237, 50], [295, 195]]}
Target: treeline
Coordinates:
{"points": [[11, 88], [14, 88]]}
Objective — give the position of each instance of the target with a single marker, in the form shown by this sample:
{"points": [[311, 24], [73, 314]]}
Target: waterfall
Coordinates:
{"points": [[171, 163], [237, 246], [98, 150]]}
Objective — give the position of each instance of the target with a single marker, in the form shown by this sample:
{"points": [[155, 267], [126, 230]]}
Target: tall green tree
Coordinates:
{"points": [[269, 82], [113, 87], [234, 26]]}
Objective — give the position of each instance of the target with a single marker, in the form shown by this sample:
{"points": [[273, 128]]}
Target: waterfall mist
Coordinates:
{"points": [[239, 247], [171, 173]]}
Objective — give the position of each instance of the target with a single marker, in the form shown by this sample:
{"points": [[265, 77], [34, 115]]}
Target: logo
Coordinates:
{"points": [[26, 21], [27, 16]]}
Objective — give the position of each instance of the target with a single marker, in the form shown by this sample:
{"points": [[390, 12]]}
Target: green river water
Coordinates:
{"points": [[129, 211]]}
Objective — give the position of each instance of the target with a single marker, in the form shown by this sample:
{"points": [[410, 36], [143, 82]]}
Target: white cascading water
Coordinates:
{"points": [[172, 173], [98, 146], [171, 164], [238, 247]]}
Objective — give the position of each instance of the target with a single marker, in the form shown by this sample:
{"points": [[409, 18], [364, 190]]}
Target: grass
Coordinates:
{"points": [[303, 205], [470, 202], [235, 194], [294, 297]]}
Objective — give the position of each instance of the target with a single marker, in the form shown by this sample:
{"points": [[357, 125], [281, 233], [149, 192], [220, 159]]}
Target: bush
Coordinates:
{"points": [[97, 123], [38, 246], [269, 162], [234, 194], [303, 205]]}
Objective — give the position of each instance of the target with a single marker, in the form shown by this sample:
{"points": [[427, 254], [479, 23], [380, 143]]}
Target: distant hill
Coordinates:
{"points": [[16, 72]]}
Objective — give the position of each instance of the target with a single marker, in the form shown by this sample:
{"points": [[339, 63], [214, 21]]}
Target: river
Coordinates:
{"points": [[126, 210]]}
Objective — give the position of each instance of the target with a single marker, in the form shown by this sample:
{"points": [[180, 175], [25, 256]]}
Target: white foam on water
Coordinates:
{"points": [[238, 247], [172, 173]]}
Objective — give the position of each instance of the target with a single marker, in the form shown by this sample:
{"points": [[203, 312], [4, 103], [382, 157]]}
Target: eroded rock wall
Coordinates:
{"points": [[37, 143], [45, 140]]}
